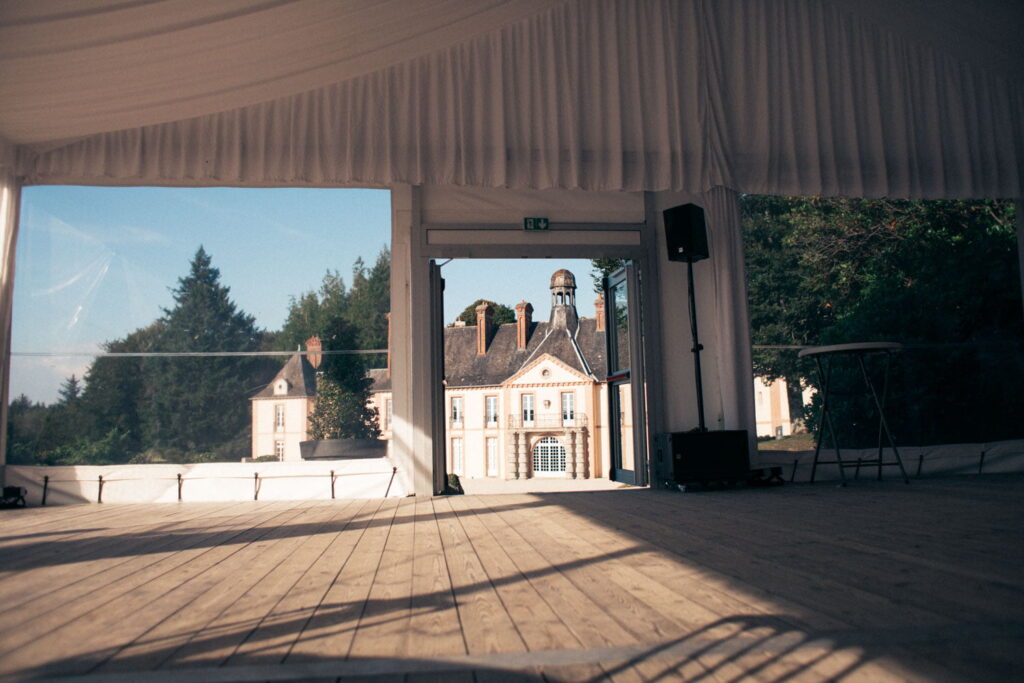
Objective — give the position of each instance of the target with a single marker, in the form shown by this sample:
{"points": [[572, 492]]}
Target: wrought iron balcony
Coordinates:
{"points": [[547, 421]]}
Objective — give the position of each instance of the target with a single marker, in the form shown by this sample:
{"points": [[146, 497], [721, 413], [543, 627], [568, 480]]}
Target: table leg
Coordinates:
{"points": [[883, 425], [825, 419]]}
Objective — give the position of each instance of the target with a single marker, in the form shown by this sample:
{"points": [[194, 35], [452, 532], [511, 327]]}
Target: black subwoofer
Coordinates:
{"points": [[708, 456]]}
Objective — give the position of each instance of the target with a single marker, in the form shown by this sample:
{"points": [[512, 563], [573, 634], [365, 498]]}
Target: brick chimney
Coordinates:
{"points": [[313, 348], [599, 312], [484, 322], [524, 318], [388, 316]]}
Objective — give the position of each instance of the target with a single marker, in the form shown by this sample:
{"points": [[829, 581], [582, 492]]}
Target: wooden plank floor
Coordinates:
{"points": [[873, 581]]}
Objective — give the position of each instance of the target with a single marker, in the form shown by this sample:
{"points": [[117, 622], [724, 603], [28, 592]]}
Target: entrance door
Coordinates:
{"points": [[549, 458], [625, 377]]}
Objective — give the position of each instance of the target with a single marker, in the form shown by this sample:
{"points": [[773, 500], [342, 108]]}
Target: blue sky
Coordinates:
{"points": [[97, 263]]}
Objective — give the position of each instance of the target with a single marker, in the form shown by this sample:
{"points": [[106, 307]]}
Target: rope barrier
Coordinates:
{"points": [[180, 479], [907, 345], [189, 354]]}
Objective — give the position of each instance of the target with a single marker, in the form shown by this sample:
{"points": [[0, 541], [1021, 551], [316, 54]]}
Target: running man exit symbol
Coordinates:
{"points": [[536, 223]]}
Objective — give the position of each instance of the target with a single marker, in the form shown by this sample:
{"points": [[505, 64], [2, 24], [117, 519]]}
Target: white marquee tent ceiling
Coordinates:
{"points": [[898, 97], [76, 68]]}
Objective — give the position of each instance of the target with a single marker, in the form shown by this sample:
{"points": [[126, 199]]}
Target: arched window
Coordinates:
{"points": [[548, 458]]}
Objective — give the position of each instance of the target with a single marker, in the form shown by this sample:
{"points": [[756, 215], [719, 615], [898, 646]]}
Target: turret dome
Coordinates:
{"points": [[563, 278]]}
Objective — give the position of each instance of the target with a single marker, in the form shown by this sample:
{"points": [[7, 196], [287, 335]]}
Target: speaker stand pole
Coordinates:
{"points": [[697, 348]]}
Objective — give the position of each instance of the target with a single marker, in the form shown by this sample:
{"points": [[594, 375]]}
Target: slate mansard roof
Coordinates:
{"points": [[575, 342], [381, 379], [464, 368], [299, 374]]}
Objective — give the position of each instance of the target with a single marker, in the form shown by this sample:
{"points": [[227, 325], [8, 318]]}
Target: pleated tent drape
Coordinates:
{"points": [[732, 316], [783, 96], [10, 196]]}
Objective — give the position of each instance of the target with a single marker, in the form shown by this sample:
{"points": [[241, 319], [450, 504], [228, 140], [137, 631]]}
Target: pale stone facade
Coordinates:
{"points": [[566, 407], [524, 400], [280, 412], [279, 424], [771, 408]]}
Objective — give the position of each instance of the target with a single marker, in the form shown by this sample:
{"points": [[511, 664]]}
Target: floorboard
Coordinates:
{"points": [[874, 581]]}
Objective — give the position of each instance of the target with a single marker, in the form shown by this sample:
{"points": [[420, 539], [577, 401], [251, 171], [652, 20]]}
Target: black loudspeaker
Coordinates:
{"points": [[701, 457], [685, 233]]}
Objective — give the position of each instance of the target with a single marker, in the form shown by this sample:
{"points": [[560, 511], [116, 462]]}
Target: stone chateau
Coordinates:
{"points": [[523, 399]]}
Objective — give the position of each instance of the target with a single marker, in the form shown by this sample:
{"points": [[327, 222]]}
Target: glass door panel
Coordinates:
{"points": [[628, 460]]}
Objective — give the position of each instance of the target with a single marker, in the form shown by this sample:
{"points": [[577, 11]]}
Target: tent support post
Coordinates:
{"points": [[412, 431]]}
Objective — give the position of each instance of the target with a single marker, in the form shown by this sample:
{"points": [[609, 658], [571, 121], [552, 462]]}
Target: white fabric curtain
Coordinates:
{"points": [[10, 196], [91, 66], [772, 96], [732, 316], [805, 100]]}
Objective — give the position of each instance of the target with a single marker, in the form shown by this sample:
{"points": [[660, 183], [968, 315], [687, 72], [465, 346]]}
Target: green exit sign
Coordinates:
{"points": [[536, 223]]}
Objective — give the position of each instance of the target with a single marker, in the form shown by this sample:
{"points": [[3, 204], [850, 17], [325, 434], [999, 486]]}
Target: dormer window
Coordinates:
{"points": [[281, 387]]}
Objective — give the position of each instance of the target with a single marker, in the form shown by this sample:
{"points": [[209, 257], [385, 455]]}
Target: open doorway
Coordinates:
{"points": [[526, 392]]}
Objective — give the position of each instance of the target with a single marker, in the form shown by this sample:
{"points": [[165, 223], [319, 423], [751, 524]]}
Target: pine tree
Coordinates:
{"points": [[69, 391], [200, 404], [369, 301], [313, 312]]}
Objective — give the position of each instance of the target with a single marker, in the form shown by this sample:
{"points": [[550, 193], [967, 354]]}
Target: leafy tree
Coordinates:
{"points": [[602, 268], [35, 431], [111, 448], [340, 413], [118, 391], [502, 313], [825, 271], [783, 310], [344, 319], [27, 431], [200, 403], [363, 307], [341, 409]]}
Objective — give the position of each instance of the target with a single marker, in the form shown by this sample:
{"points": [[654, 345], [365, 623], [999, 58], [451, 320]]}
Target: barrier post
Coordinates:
{"points": [[46, 485], [394, 471], [332, 484], [179, 486], [99, 494], [256, 486]]}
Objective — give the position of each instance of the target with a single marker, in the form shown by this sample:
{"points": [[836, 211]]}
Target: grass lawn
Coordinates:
{"points": [[796, 442]]}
